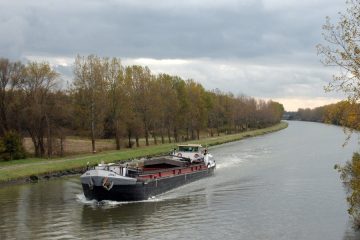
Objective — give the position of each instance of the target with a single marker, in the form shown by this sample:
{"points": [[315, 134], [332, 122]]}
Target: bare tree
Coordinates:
{"points": [[11, 74], [89, 88], [343, 50], [38, 83], [117, 97]]}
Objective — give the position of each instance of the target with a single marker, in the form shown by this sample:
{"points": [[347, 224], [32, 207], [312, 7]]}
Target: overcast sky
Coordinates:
{"points": [[260, 48]]}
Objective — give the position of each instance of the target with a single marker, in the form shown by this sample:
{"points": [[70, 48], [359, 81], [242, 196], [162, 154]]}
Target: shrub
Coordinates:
{"points": [[11, 147], [350, 174]]}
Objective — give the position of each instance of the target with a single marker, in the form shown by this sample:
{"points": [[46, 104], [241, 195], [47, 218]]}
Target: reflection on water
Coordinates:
{"points": [[278, 186]]}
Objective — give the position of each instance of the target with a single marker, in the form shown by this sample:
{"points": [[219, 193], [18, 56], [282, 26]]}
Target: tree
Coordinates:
{"points": [[197, 114], [168, 104], [11, 75], [89, 87], [343, 51], [114, 77], [38, 83], [350, 174], [133, 121], [11, 147], [142, 97], [183, 108]]}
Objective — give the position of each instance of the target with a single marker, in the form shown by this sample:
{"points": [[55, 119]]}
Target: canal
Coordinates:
{"points": [[278, 186]]}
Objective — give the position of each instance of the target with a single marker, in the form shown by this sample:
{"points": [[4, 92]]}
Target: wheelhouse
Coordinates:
{"points": [[190, 148]]}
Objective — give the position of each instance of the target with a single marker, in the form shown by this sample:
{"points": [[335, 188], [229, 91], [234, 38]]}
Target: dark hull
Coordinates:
{"points": [[143, 190]]}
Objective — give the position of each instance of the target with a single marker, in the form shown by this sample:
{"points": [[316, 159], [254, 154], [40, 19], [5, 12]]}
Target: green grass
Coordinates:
{"points": [[24, 168]]}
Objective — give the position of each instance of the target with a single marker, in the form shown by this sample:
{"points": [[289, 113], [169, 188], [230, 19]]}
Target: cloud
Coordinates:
{"points": [[261, 48], [244, 77], [162, 29]]}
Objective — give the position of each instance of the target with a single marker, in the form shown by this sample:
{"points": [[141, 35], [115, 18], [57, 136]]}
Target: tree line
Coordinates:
{"points": [[109, 100], [343, 113]]}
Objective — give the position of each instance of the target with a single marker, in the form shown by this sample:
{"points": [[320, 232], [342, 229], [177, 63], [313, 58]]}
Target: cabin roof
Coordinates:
{"points": [[190, 145], [163, 160]]}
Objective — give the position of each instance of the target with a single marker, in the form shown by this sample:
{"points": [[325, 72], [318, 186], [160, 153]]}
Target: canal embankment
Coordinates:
{"points": [[34, 169]]}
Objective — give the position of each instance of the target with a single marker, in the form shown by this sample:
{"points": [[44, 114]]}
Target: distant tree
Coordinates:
{"points": [[197, 114], [182, 120], [215, 112]]}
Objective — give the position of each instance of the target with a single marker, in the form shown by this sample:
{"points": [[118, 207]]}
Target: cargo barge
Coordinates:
{"points": [[146, 178]]}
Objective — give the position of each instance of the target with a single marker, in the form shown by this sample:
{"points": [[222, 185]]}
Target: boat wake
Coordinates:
{"points": [[231, 161], [108, 203]]}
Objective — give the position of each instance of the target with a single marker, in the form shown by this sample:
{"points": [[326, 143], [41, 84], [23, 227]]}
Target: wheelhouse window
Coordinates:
{"points": [[188, 149]]}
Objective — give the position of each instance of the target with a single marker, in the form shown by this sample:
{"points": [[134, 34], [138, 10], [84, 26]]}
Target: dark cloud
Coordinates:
{"points": [[159, 29], [262, 48]]}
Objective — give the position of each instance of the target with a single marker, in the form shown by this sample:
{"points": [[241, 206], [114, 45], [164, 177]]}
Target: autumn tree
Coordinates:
{"points": [[140, 95], [89, 90], [37, 85], [11, 75], [133, 120], [169, 104], [117, 97], [342, 50], [107, 99], [181, 121], [197, 111], [350, 174], [215, 112]]}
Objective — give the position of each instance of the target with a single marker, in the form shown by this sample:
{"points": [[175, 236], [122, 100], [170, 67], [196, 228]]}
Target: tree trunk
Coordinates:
{"points": [[155, 139], [61, 145], [211, 132], [3, 109], [162, 138], [41, 146], [147, 137], [176, 135], [93, 128], [146, 133], [137, 141], [48, 140], [3, 121], [169, 136], [129, 139], [35, 143], [117, 136], [118, 142], [198, 134]]}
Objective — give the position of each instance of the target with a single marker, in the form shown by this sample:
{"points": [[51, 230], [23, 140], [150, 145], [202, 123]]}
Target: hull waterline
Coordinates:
{"points": [[142, 190]]}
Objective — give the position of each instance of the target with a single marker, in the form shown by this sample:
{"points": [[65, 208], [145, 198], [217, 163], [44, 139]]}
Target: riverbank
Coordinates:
{"points": [[34, 169]]}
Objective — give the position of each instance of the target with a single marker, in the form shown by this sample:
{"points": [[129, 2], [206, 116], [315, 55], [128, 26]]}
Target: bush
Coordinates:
{"points": [[11, 147], [350, 174]]}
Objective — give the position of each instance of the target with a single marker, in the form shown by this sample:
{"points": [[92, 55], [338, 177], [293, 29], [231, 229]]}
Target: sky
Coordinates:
{"points": [[260, 48]]}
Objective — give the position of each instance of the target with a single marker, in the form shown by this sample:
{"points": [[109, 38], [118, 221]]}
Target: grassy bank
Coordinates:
{"points": [[22, 169]]}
